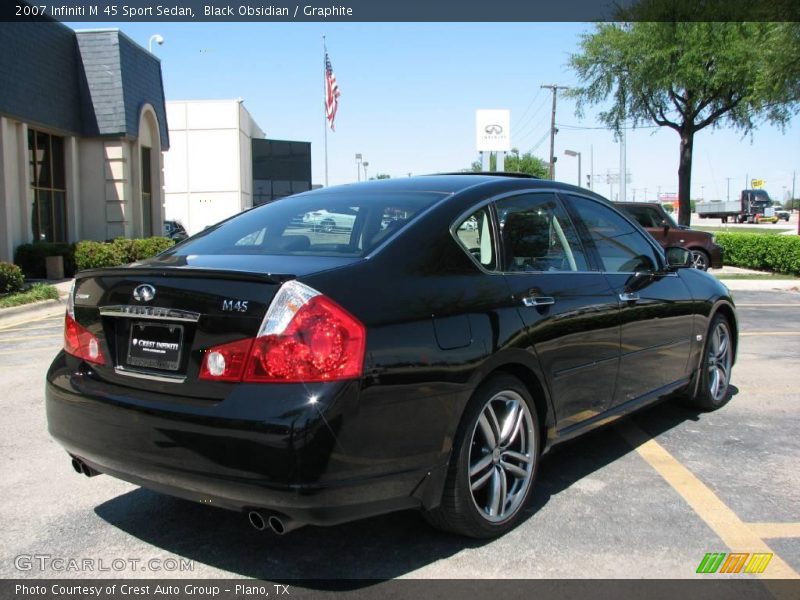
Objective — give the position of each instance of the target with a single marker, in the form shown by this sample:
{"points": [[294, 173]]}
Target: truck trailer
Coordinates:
{"points": [[751, 205]]}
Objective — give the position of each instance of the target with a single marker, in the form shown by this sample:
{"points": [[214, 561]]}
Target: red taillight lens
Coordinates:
{"points": [[79, 342], [305, 337], [323, 342], [226, 362]]}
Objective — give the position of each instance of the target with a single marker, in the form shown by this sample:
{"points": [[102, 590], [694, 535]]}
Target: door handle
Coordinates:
{"points": [[629, 296], [538, 300]]}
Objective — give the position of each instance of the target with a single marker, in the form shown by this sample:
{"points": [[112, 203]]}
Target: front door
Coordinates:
{"points": [[655, 314]]}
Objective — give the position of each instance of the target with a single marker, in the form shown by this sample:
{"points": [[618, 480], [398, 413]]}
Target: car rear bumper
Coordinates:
{"points": [[283, 454]]}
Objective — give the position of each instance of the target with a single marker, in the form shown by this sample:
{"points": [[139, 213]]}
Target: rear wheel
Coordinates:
{"points": [[714, 390], [494, 462]]}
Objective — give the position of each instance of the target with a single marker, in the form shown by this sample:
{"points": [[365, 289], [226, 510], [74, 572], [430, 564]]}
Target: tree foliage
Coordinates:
{"points": [[688, 76], [516, 163]]}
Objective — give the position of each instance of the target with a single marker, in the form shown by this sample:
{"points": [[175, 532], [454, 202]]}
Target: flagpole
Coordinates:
{"points": [[324, 104]]}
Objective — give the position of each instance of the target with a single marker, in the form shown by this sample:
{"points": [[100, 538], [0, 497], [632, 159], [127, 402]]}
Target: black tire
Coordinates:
{"points": [[700, 259], [467, 505], [712, 393]]}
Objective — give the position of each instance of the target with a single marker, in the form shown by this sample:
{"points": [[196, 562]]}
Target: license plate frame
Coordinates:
{"points": [[155, 345]]}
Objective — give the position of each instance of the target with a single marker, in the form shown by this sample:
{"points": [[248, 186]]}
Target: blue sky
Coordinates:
{"points": [[410, 91]]}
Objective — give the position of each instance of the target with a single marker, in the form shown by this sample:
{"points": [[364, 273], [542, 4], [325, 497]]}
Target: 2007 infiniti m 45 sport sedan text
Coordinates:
{"points": [[421, 353]]}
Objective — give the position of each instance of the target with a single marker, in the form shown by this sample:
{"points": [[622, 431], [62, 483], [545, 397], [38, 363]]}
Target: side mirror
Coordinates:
{"points": [[665, 225], [678, 258]]}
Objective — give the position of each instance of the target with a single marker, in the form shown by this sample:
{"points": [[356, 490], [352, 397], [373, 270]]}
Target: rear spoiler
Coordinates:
{"points": [[152, 271]]}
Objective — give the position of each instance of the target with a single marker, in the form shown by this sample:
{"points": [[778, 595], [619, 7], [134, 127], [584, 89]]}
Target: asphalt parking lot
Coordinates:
{"points": [[649, 497]]}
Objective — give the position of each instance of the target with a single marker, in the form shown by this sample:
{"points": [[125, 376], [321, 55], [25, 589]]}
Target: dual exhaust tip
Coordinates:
{"points": [[278, 524], [82, 468]]}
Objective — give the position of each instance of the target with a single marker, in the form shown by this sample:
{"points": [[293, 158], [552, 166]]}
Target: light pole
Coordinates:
{"points": [[578, 154], [157, 38], [365, 164], [358, 166]]}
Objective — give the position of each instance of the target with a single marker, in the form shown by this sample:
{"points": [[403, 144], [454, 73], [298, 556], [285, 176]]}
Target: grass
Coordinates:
{"points": [[755, 229], [35, 293], [757, 276]]}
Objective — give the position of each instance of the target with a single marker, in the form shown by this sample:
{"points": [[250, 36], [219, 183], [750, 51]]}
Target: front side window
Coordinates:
{"points": [[537, 235], [621, 247], [46, 176]]}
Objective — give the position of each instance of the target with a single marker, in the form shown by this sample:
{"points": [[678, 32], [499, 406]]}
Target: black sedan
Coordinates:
{"points": [[424, 354]]}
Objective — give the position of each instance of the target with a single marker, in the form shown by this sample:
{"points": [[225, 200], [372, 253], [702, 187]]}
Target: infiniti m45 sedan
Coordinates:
{"points": [[418, 355]]}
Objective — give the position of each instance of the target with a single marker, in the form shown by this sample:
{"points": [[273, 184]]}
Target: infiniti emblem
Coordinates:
{"points": [[493, 129], [144, 292]]}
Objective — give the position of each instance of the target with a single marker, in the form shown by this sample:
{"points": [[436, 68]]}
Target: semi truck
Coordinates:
{"points": [[751, 205]]}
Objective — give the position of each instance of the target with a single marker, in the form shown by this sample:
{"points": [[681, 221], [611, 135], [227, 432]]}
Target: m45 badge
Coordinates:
{"points": [[234, 306]]}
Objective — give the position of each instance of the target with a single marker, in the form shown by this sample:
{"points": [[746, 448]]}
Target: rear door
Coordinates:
{"points": [[570, 313], [656, 313]]}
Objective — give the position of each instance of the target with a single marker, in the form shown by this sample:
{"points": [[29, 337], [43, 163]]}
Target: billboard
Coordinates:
{"points": [[493, 130]]}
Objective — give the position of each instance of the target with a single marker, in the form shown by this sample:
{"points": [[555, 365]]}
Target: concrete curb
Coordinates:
{"points": [[29, 312], [762, 285]]}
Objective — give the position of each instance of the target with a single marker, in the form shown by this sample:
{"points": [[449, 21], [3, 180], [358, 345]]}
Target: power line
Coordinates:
{"points": [[531, 119], [525, 112]]}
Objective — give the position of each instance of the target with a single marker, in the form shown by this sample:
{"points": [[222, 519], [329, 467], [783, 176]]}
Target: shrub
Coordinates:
{"points": [[30, 258], [11, 278], [121, 251], [779, 253]]}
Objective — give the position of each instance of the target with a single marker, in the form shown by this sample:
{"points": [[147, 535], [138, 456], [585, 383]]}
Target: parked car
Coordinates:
{"points": [[175, 231], [658, 223], [423, 365], [328, 222]]}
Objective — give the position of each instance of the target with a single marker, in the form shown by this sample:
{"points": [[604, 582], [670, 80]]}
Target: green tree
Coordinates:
{"points": [[515, 163], [688, 76], [383, 176]]}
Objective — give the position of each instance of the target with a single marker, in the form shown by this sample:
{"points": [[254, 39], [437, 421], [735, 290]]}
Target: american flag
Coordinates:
{"points": [[332, 92]]}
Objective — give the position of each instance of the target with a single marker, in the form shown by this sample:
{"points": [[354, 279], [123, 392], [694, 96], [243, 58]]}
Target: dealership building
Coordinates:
{"points": [[83, 126], [219, 163]]}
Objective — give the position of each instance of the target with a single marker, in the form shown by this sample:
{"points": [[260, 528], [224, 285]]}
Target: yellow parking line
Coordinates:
{"points": [[737, 535], [60, 315], [752, 333], [31, 337], [749, 305], [776, 530]]}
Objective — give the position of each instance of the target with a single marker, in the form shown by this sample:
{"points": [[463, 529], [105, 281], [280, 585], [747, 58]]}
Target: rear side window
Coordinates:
{"points": [[315, 224], [475, 236], [621, 247], [644, 215]]}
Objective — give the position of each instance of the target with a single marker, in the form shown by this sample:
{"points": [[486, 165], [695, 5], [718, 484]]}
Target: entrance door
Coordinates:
{"points": [[147, 193]]}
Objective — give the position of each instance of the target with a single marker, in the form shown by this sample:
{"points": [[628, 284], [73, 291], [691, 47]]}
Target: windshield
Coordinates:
{"points": [[340, 223]]}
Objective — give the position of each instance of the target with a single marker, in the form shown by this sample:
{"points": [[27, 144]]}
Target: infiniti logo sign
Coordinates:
{"points": [[493, 129], [144, 292]]}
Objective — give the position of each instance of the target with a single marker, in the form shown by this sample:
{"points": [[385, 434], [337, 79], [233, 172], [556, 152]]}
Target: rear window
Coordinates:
{"points": [[316, 224]]}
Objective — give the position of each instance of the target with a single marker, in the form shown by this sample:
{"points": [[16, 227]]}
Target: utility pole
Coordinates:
{"points": [[728, 179], [623, 168], [554, 88]]}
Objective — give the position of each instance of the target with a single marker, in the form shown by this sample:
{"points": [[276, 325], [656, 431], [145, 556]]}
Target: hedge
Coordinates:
{"points": [[121, 251], [31, 258], [779, 253], [11, 278]]}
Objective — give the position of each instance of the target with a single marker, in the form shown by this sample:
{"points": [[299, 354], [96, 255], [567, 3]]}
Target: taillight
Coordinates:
{"points": [[305, 337], [79, 342]]}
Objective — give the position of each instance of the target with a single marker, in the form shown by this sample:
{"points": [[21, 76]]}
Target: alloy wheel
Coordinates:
{"points": [[719, 359], [699, 260], [501, 458]]}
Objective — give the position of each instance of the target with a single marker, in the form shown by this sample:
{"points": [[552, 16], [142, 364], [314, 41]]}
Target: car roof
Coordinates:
{"points": [[652, 204], [447, 183]]}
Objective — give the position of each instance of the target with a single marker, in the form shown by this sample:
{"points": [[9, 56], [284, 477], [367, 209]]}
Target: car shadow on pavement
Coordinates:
{"points": [[375, 549]]}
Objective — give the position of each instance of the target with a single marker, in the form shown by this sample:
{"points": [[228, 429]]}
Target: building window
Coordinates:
{"points": [[46, 166], [147, 194]]}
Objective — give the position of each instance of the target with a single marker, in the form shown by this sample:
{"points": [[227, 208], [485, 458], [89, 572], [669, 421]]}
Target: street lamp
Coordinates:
{"points": [[365, 165], [157, 38], [578, 154], [358, 166]]}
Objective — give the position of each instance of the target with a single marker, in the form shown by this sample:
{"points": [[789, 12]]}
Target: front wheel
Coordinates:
{"points": [[700, 260], [494, 462], [714, 390]]}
